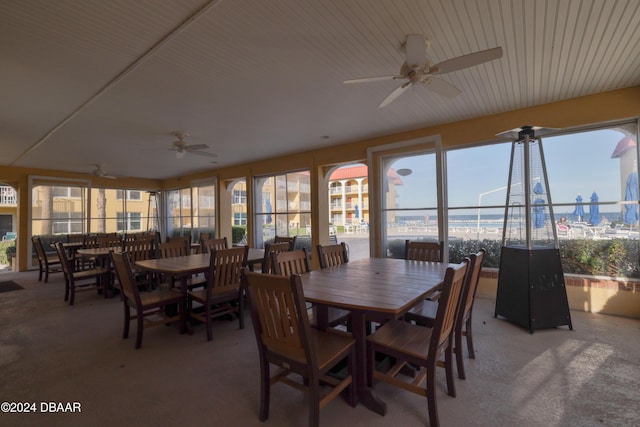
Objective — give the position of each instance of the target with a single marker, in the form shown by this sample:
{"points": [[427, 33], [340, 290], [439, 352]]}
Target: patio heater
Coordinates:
{"points": [[153, 212], [531, 288]]}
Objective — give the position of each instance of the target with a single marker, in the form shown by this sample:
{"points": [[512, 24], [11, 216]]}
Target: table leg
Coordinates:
{"points": [[365, 394], [184, 311]]}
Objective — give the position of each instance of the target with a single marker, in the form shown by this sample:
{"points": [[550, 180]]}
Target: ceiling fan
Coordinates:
{"points": [[99, 171], [181, 147], [418, 70]]}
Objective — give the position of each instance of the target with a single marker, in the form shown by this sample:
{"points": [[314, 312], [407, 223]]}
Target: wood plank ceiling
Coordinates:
{"points": [[90, 81]]}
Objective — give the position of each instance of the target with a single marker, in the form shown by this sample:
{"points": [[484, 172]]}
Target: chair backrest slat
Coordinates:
{"points": [[172, 248], [208, 245], [332, 255], [225, 269], [139, 250], [473, 277], [423, 251], [124, 272], [291, 262], [283, 239], [279, 315], [448, 305], [65, 262], [270, 248]]}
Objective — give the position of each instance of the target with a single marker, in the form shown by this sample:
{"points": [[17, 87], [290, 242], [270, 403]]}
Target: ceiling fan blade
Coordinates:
{"points": [[415, 51], [466, 61], [196, 147], [371, 79], [393, 95], [441, 87], [204, 153]]}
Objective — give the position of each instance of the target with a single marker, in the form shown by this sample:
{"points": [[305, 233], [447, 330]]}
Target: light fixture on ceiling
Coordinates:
{"points": [[179, 154]]}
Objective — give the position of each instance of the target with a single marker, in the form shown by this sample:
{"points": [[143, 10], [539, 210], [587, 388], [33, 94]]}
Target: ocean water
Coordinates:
{"points": [[496, 220]]}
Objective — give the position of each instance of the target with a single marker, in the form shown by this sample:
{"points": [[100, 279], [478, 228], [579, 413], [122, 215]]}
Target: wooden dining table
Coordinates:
{"points": [[373, 289], [183, 267]]}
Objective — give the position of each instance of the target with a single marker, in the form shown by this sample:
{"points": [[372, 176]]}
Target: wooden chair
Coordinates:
{"points": [[423, 251], [48, 262], [283, 239], [270, 248], [221, 295], [285, 339], [109, 241], [290, 262], [425, 313], [172, 248], [138, 250], [81, 280], [332, 255], [421, 346], [208, 245], [149, 307]]}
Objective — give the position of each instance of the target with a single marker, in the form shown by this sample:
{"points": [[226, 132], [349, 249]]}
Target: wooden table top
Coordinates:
{"points": [[97, 251], [190, 264], [380, 285]]}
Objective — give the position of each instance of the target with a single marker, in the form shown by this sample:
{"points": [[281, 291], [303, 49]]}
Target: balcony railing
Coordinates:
{"points": [[8, 195]]}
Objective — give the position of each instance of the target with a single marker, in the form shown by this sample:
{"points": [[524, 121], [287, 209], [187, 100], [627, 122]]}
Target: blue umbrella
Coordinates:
{"points": [[268, 209], [579, 210], [538, 209], [594, 210], [631, 194], [357, 212]]}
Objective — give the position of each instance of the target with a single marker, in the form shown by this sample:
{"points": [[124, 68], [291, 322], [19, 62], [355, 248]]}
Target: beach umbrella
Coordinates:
{"points": [[594, 210], [538, 209], [579, 210], [268, 209], [357, 212], [631, 194]]}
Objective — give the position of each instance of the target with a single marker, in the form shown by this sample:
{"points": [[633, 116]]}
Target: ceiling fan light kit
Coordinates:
{"points": [[417, 69]]}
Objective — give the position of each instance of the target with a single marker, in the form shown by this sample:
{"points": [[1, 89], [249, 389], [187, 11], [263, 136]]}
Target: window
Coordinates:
{"points": [[283, 207], [239, 197], [409, 200], [239, 218], [131, 194], [593, 189], [110, 212], [129, 221], [178, 211], [57, 209], [204, 208], [67, 192]]}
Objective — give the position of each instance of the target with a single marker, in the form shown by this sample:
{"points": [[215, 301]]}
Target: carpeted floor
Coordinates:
{"points": [[9, 286], [51, 352]]}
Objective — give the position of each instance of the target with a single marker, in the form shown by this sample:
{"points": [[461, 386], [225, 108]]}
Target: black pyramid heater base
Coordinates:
{"points": [[531, 288]]}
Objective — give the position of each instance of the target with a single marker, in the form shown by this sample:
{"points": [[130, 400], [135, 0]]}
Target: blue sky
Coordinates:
{"points": [[576, 164]]}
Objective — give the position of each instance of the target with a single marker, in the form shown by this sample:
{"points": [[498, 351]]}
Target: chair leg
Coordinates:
{"points": [[448, 367], [46, 274], [265, 388], [314, 402], [351, 396], [66, 289], [40, 273], [208, 321], [472, 353], [241, 311], [72, 289], [458, 351], [431, 397], [140, 324], [127, 321]]}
